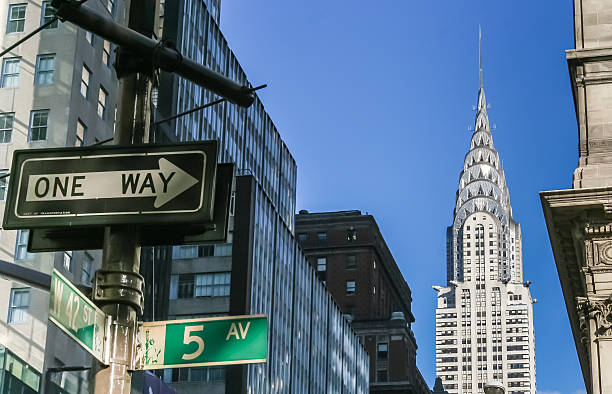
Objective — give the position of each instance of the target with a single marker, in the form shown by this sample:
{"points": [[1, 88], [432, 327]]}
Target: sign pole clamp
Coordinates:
{"points": [[119, 287]]}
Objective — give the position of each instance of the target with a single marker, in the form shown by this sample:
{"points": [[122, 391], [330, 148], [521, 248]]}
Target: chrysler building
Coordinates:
{"points": [[484, 317]]}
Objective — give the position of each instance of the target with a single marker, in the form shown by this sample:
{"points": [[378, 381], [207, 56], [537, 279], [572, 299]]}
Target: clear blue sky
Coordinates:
{"points": [[374, 100]]}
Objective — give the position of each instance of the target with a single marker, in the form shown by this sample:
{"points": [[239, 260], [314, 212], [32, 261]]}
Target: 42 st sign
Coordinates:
{"points": [[112, 185]]}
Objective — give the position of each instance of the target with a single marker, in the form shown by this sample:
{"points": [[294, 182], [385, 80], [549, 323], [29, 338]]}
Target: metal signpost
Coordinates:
{"points": [[200, 342], [77, 316], [112, 185]]}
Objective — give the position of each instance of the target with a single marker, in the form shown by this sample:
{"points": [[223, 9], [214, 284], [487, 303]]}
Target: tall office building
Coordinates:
{"points": [[57, 89], [484, 318], [260, 269], [354, 262]]}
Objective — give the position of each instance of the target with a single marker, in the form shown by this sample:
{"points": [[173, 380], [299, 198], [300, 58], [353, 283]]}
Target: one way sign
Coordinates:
{"points": [[111, 185]]}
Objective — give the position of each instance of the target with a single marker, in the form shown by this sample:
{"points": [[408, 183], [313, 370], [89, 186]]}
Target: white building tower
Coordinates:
{"points": [[484, 318]]}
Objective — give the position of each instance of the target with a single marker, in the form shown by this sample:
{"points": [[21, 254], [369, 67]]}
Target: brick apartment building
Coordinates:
{"points": [[353, 260]]}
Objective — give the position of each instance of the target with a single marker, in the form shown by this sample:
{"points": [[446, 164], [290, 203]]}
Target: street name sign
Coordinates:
{"points": [[76, 315], [199, 342], [140, 184]]}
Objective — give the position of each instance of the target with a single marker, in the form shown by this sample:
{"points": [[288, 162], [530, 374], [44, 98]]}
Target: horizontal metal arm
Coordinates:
{"points": [[168, 59]]}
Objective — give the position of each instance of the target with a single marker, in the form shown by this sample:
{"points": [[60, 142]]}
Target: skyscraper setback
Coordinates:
{"points": [[484, 317]]}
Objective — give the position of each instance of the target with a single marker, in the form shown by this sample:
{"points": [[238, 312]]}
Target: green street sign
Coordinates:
{"points": [[76, 315], [200, 342]]}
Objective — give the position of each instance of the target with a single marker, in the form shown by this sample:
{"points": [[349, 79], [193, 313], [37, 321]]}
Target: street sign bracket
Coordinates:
{"points": [[119, 287]]}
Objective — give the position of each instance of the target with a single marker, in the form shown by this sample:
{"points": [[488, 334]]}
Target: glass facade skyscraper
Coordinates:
{"points": [[311, 346]]}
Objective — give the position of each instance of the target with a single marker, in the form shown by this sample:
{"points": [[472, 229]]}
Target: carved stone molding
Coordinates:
{"points": [[595, 229], [602, 311], [598, 252], [598, 310], [583, 308]]}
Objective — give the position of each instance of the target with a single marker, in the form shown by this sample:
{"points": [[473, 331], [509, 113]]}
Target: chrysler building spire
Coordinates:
{"points": [[484, 317], [480, 56]]}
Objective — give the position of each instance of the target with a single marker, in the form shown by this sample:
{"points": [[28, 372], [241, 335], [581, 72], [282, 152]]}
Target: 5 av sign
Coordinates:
{"points": [[200, 342], [145, 184]]}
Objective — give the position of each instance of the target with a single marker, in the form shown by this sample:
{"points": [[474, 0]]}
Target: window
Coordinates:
{"points": [[106, 51], [212, 285], [6, 127], [322, 236], [3, 184], [10, 73], [192, 251], [302, 237], [102, 98], [185, 286], [18, 308], [16, 18], [85, 76], [21, 249], [48, 13], [81, 130], [68, 260], [86, 269], [381, 376], [351, 262], [321, 264], [38, 125], [110, 6], [350, 287], [351, 234], [89, 37], [45, 65]]}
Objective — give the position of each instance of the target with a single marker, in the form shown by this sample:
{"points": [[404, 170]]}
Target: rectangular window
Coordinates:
{"points": [[6, 127], [351, 262], [102, 98], [21, 249], [48, 13], [185, 286], [86, 269], [10, 73], [302, 237], [39, 121], [89, 37], [16, 18], [68, 260], [19, 304], [212, 285], [81, 130], [106, 51], [321, 264], [381, 376], [45, 65], [350, 287], [85, 76], [322, 236], [3, 183]]}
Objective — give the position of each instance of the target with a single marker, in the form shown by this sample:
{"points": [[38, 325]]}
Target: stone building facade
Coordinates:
{"points": [[484, 316], [579, 220], [352, 259], [58, 88]]}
